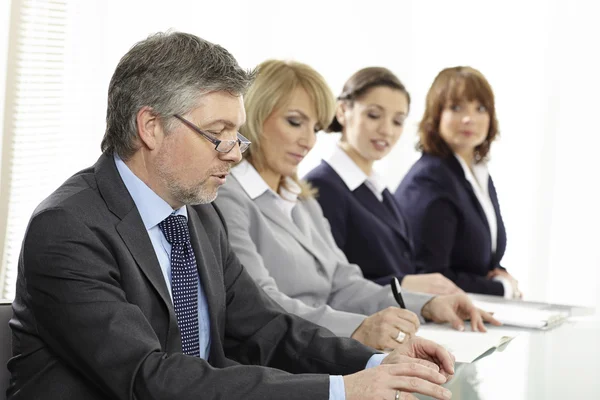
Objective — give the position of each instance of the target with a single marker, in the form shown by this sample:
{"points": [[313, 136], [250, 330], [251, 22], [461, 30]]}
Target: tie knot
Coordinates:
{"points": [[175, 229]]}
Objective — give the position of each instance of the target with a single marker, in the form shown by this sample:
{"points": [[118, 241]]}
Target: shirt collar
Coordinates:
{"points": [[478, 174], [351, 173], [152, 208], [254, 185]]}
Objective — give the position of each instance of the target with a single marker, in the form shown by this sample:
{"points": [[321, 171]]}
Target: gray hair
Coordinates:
{"points": [[167, 72]]}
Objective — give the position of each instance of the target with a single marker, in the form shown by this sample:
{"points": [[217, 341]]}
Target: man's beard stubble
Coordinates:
{"points": [[200, 193]]}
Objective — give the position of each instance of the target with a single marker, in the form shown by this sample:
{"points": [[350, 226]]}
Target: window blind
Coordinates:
{"points": [[34, 122]]}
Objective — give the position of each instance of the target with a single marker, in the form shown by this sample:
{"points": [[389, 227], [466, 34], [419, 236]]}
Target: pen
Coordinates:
{"points": [[395, 284]]}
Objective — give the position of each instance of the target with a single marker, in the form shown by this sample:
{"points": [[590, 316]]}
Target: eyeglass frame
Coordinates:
{"points": [[241, 140]]}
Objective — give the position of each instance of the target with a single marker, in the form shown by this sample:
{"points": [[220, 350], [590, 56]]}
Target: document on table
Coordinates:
{"points": [[465, 346], [523, 316]]}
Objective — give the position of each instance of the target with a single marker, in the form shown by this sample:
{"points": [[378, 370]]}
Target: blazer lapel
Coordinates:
{"points": [[501, 235], [384, 212], [271, 211], [131, 228], [209, 280], [456, 167], [402, 227], [133, 232], [478, 207], [390, 203]]}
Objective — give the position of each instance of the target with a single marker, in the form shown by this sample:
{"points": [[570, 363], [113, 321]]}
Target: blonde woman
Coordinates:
{"points": [[278, 231]]}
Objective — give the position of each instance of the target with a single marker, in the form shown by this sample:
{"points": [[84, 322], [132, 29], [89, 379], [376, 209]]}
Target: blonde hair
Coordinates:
{"points": [[272, 89]]}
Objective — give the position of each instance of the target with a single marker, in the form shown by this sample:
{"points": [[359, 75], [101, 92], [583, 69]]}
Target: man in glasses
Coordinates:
{"points": [[125, 292]]}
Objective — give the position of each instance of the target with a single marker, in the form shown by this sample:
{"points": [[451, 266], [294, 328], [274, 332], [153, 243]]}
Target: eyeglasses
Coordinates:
{"points": [[222, 146]]}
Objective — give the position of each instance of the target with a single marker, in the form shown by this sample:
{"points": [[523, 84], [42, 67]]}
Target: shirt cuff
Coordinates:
{"points": [[508, 288], [336, 382], [336, 388], [375, 360]]}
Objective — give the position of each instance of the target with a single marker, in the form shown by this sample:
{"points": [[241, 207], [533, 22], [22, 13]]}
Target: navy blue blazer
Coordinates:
{"points": [[373, 234], [450, 230]]}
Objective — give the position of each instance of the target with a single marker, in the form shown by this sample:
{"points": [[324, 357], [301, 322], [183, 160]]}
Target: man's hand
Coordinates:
{"points": [[424, 352], [380, 329], [434, 283], [455, 309], [383, 381]]}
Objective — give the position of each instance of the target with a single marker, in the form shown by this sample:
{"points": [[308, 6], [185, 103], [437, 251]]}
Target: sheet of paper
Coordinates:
{"points": [[523, 316], [466, 346]]}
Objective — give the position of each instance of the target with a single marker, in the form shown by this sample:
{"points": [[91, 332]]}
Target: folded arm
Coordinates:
{"points": [[434, 241]]}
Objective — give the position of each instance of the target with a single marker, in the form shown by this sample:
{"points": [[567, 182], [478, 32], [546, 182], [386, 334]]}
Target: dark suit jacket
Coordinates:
{"points": [[372, 234], [93, 318], [450, 230]]}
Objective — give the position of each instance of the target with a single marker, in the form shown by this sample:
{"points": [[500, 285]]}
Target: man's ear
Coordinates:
{"points": [[148, 128]]}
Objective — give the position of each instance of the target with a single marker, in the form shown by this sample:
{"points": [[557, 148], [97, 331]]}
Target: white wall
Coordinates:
{"points": [[536, 54], [571, 162]]}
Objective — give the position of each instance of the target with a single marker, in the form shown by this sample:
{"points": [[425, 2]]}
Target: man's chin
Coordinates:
{"points": [[198, 202], [200, 198], [213, 197]]}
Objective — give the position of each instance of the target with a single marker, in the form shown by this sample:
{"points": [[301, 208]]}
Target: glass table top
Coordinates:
{"points": [[560, 363]]}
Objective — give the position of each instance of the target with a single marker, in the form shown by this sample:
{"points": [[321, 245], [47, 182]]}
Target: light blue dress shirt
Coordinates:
{"points": [[336, 382], [153, 209]]}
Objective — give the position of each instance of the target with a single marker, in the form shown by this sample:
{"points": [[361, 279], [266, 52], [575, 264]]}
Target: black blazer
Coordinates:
{"points": [[93, 318], [371, 233], [450, 230]]}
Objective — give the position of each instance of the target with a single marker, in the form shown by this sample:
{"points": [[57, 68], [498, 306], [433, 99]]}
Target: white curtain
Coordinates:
{"points": [[538, 55]]}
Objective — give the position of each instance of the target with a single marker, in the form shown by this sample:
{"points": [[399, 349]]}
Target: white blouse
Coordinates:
{"points": [[479, 178], [254, 185], [353, 176]]}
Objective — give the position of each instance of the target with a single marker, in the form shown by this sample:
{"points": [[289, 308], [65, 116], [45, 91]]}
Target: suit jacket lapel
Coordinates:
{"points": [[390, 203], [271, 211], [210, 280], [402, 230], [478, 207], [131, 228], [501, 235], [382, 211], [457, 168], [133, 232]]}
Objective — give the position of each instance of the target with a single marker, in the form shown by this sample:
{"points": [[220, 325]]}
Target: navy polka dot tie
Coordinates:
{"points": [[184, 281]]}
